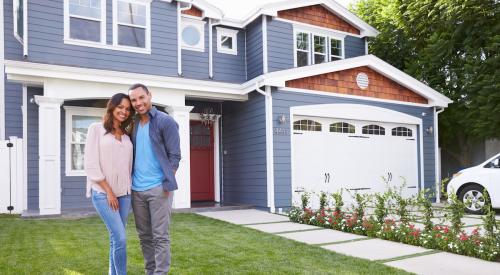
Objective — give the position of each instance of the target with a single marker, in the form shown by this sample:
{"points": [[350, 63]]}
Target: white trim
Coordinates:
{"points": [[264, 44], [105, 46], [102, 22], [421, 147], [14, 19], [179, 48], [317, 29], [147, 33], [305, 91], [437, 154], [2, 73], [312, 32], [210, 49], [200, 26], [229, 33], [70, 111], [208, 9], [25, 31], [217, 177], [24, 110], [366, 45]]}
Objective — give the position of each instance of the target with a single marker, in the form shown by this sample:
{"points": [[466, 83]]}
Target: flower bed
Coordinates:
{"points": [[446, 238]]}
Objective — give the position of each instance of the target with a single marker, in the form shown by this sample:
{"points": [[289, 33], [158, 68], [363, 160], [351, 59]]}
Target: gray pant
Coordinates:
{"points": [[152, 210]]}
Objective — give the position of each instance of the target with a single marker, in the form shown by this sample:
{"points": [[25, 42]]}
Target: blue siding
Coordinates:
{"points": [[13, 109], [354, 46], [46, 43], [244, 152], [228, 67], [283, 100], [12, 47], [254, 48], [33, 149], [279, 45], [195, 64]]}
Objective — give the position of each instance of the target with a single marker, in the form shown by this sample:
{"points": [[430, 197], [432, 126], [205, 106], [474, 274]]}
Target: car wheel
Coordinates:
{"points": [[473, 198]]}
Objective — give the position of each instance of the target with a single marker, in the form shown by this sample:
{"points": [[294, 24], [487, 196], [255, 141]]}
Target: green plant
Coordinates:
{"points": [[381, 210], [304, 199], [455, 212], [444, 188], [490, 225], [338, 201], [323, 200], [425, 206], [360, 208], [402, 205]]}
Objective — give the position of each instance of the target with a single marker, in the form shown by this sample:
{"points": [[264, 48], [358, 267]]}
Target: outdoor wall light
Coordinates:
{"points": [[282, 119], [429, 130]]}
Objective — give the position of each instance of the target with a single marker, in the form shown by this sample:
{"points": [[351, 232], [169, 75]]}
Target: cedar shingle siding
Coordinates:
{"points": [[194, 11], [344, 82], [319, 16]]}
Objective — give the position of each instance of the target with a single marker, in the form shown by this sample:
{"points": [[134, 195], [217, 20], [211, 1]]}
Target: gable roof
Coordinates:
{"points": [[279, 78], [247, 11]]}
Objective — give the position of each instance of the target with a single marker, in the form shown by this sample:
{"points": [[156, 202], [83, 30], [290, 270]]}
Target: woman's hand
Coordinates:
{"points": [[113, 201]]}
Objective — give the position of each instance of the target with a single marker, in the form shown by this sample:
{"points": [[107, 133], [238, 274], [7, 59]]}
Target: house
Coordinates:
{"points": [[270, 99]]}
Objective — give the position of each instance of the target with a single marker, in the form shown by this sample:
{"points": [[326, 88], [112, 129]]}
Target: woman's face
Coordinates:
{"points": [[122, 111]]}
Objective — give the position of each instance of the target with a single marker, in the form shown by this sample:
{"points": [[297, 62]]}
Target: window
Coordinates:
{"points": [[302, 45], [131, 26], [373, 130], [18, 6], [326, 46], [85, 20], [193, 34], [335, 49], [307, 125], [342, 127], [319, 49], [227, 41], [78, 120], [401, 132]]}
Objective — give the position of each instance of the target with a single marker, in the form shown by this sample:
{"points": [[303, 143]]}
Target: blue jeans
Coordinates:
{"points": [[115, 222]]}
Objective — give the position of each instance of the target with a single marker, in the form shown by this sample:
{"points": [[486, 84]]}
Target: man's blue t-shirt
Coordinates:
{"points": [[147, 170]]}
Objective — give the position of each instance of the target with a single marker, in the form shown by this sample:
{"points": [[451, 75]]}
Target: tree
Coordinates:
{"points": [[452, 46]]}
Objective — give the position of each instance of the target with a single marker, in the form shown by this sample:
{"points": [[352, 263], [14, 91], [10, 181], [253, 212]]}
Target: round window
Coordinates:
{"points": [[191, 35]]}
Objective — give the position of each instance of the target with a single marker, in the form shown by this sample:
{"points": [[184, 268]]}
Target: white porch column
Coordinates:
{"points": [[49, 163], [182, 197]]}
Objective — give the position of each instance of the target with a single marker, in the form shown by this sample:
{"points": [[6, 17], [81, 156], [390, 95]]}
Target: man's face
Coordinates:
{"points": [[141, 100]]}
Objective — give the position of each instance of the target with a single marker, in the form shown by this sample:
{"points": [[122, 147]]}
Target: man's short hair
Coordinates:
{"points": [[139, 85]]}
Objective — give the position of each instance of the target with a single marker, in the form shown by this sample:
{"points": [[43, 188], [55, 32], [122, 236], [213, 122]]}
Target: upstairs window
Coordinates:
{"points": [[131, 23], [227, 41], [319, 49], [85, 20], [307, 125], [303, 49], [18, 6], [335, 49], [402, 132], [342, 127], [193, 34], [373, 130]]}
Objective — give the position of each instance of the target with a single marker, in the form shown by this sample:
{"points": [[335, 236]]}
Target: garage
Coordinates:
{"points": [[378, 150]]}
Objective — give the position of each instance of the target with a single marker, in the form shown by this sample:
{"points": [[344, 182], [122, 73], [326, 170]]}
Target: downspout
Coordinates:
{"points": [[210, 54], [25, 27], [269, 145], [2, 72], [179, 29], [264, 44], [437, 155]]}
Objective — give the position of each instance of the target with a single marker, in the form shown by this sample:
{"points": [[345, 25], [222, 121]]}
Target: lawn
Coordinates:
{"points": [[199, 246]]}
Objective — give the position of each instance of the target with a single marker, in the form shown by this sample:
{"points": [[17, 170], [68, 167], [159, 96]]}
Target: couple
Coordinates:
{"points": [[133, 162]]}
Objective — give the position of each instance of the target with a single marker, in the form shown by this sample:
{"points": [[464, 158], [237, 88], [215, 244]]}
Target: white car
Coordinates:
{"points": [[469, 185]]}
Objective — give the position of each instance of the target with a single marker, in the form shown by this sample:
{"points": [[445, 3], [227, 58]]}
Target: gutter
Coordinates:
{"points": [[25, 31], [269, 145]]}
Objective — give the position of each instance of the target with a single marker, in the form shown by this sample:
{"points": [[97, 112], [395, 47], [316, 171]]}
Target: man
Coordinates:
{"points": [[156, 159]]}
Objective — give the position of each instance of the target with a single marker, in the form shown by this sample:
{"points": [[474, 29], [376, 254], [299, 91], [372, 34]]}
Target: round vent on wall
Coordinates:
{"points": [[362, 80]]}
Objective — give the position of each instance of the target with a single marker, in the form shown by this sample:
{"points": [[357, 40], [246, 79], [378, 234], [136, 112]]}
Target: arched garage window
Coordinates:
{"points": [[342, 127], [373, 129], [307, 125], [401, 132]]}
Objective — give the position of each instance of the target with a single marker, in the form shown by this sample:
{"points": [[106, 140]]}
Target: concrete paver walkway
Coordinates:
{"points": [[410, 258]]}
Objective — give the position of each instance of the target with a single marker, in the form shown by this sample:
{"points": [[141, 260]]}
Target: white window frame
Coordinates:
{"points": [[308, 51], [16, 34], [147, 48], [69, 40], [324, 54], [313, 31], [330, 48], [198, 23], [71, 111], [230, 33]]}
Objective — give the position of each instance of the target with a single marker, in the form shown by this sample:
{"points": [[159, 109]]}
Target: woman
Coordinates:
{"points": [[108, 165]]}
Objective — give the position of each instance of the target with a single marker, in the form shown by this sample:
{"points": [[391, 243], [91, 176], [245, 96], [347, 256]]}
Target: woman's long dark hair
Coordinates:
{"points": [[113, 102]]}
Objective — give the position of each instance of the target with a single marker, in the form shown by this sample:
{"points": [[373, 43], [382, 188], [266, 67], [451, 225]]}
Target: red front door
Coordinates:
{"points": [[202, 162]]}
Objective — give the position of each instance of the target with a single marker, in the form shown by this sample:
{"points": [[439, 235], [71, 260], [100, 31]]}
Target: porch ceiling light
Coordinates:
{"points": [[208, 117]]}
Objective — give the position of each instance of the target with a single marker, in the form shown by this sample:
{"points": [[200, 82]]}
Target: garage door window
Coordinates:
{"points": [[307, 125], [373, 129], [342, 127], [402, 132]]}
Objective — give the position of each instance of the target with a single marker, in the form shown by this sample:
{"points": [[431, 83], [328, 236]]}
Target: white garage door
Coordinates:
{"points": [[360, 156]]}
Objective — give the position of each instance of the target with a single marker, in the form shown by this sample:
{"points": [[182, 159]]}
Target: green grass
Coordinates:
{"points": [[199, 246]]}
